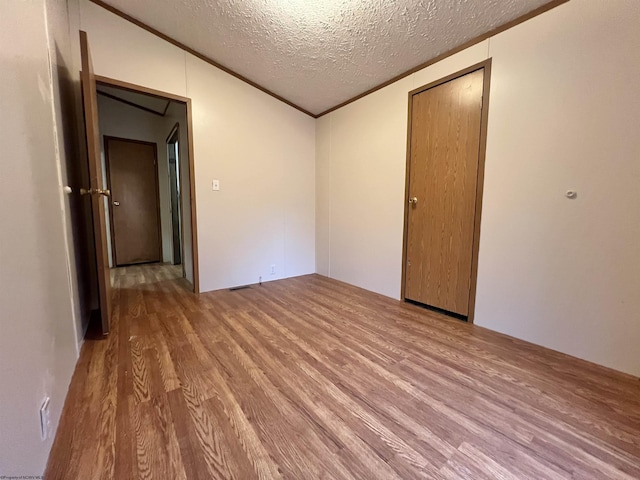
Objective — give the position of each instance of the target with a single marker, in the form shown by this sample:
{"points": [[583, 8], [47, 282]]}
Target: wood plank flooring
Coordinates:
{"points": [[309, 378]]}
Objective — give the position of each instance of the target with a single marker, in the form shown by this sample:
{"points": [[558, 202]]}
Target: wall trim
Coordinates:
{"points": [[197, 54], [480, 38]]}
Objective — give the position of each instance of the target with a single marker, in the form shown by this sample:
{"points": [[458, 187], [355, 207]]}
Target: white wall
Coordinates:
{"points": [[360, 183], [323, 195], [563, 114], [63, 20], [38, 294], [260, 149], [121, 120]]}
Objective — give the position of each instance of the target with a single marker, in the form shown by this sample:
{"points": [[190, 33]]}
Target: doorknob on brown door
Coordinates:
{"points": [[413, 200], [95, 191], [116, 204]]}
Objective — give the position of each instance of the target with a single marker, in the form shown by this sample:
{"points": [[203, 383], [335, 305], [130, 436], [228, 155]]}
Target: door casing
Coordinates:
{"points": [[486, 65], [101, 80]]}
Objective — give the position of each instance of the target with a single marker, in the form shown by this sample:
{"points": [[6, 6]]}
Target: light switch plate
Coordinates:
{"points": [[215, 185]]}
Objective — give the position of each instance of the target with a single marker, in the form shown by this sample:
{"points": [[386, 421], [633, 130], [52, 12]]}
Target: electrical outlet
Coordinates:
{"points": [[273, 269], [45, 419]]}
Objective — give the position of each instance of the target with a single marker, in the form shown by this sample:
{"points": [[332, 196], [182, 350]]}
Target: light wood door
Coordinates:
{"points": [[97, 190], [443, 178], [135, 215]]}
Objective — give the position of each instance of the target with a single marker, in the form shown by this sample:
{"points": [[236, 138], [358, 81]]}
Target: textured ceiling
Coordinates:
{"points": [[320, 53]]}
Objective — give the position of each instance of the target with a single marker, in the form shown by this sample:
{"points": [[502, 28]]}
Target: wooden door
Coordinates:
{"points": [[135, 214], [174, 187], [174, 180], [96, 191], [445, 137]]}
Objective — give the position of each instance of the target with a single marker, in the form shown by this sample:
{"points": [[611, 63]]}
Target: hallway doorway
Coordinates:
{"points": [[146, 149]]}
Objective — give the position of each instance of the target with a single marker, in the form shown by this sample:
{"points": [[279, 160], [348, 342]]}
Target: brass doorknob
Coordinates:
{"points": [[413, 200], [95, 191]]}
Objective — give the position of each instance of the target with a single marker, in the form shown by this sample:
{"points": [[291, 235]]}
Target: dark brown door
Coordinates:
{"points": [[135, 214], [443, 180], [174, 187], [97, 191], [175, 210]]}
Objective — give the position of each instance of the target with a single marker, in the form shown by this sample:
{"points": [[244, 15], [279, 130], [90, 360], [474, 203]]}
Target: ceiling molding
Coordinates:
{"points": [[134, 105], [544, 8], [132, 87], [199, 55], [166, 109], [480, 38]]}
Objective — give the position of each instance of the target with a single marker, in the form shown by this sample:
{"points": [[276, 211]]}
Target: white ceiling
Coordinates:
{"points": [[146, 102], [320, 53]]}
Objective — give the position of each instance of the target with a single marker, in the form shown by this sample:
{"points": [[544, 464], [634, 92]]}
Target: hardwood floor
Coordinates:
{"points": [[309, 378]]}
